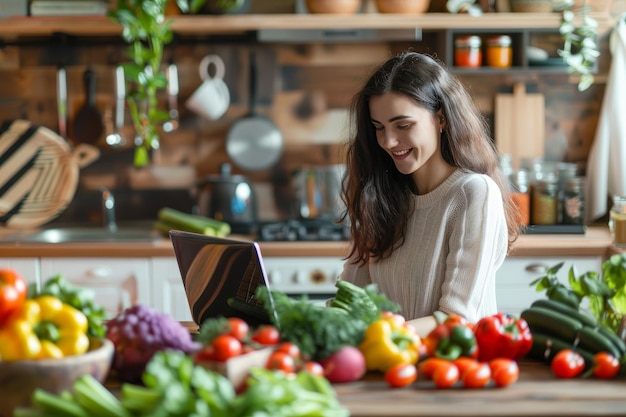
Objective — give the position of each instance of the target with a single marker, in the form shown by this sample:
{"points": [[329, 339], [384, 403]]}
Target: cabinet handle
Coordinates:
{"points": [[537, 268]]}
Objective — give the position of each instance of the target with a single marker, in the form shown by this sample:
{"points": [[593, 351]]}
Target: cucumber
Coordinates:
{"points": [[617, 341], [592, 340], [585, 319], [545, 347], [193, 223], [552, 323]]}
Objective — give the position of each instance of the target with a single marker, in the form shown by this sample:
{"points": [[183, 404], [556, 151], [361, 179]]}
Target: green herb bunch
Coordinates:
{"points": [[604, 293], [580, 50]]}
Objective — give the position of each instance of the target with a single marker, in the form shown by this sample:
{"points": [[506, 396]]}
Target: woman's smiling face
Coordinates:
{"points": [[408, 132]]}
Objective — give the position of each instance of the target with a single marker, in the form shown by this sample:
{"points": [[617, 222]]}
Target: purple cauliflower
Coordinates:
{"points": [[138, 333]]}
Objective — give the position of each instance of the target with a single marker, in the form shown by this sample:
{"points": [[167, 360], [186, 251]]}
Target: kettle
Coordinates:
{"points": [[228, 198], [318, 192]]}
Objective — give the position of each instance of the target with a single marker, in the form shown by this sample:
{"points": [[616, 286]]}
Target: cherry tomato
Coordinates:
{"points": [[464, 363], [446, 375], [290, 349], [238, 328], [207, 353], [428, 366], [504, 371], [225, 347], [401, 375], [266, 335], [605, 365], [313, 367], [13, 289], [281, 361], [567, 364], [477, 376]]}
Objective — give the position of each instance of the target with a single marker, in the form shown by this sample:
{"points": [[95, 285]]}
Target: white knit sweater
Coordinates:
{"points": [[455, 242]]}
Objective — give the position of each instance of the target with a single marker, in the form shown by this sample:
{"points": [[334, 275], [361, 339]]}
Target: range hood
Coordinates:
{"points": [[338, 35]]}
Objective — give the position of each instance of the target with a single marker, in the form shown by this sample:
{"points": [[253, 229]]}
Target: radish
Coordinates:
{"points": [[345, 365]]}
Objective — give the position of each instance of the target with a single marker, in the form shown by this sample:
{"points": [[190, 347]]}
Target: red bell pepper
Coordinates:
{"points": [[502, 336]]}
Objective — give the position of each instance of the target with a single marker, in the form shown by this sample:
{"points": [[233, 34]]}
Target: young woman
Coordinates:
{"points": [[428, 207]]}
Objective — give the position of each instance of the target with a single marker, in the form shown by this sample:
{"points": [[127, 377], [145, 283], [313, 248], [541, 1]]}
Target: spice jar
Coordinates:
{"points": [[520, 196], [499, 52], [546, 201], [573, 201], [617, 221], [467, 52]]}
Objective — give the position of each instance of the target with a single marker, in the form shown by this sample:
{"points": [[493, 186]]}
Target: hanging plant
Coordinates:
{"points": [[580, 50], [147, 30]]}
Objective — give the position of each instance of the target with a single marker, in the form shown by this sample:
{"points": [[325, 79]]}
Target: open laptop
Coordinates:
{"points": [[221, 276]]}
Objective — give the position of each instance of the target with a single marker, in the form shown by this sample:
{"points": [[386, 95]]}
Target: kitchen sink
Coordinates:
{"points": [[72, 234]]}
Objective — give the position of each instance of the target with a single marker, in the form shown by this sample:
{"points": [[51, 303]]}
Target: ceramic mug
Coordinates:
{"points": [[212, 98]]}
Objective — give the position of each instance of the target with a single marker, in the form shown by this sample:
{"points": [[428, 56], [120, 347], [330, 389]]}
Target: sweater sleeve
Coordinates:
{"points": [[357, 274], [477, 248]]}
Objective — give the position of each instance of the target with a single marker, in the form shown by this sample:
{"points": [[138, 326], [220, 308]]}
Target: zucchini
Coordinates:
{"points": [[617, 341], [552, 323], [585, 319], [590, 339], [193, 223]]}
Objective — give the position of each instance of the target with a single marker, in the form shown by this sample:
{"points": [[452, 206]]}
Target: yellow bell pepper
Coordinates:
{"points": [[44, 327], [389, 341]]}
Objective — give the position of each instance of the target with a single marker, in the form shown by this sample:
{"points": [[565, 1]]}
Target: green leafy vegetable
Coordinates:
{"points": [[605, 292]]}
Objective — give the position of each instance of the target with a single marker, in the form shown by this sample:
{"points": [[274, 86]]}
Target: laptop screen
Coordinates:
{"points": [[220, 276]]}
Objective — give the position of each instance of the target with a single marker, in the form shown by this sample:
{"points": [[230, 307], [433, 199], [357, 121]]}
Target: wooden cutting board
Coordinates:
{"points": [[520, 124]]}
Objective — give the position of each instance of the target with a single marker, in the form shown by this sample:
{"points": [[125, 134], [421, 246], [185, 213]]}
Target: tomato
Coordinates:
{"points": [[401, 375], [266, 335], [13, 291], [281, 361], [225, 347], [429, 365], [313, 367], [290, 349], [446, 375], [464, 363], [207, 353], [238, 328], [504, 371], [477, 376], [605, 365], [567, 364]]}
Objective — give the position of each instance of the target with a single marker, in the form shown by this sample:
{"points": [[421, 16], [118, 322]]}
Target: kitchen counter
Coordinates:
{"points": [[537, 392], [595, 242]]}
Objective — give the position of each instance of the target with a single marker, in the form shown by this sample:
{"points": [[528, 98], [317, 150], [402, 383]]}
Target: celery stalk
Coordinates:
{"points": [[56, 405]]}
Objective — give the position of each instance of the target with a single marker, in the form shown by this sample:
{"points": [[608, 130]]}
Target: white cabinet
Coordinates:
{"points": [[117, 283], [168, 290], [513, 290], [27, 267]]}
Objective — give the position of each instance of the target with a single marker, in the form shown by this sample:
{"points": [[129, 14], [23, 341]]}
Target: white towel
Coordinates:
{"points": [[606, 166]]}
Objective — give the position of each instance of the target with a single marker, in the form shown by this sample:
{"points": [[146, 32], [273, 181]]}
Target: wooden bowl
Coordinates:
{"points": [[402, 6], [19, 379], [333, 6]]}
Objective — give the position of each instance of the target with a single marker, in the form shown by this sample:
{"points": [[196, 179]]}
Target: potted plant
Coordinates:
{"points": [[147, 30], [580, 50]]}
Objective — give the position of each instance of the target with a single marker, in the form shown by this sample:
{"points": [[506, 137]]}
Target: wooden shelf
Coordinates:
{"points": [[232, 24]]}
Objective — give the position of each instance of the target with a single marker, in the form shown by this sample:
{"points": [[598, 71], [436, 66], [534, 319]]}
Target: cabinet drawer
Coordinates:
{"points": [[117, 283], [513, 290]]}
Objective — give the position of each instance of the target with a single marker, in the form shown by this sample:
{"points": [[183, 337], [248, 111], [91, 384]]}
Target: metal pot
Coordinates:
{"points": [[318, 192], [228, 198]]}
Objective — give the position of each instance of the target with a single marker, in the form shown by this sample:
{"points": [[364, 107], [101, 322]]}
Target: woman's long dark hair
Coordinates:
{"points": [[377, 196]]}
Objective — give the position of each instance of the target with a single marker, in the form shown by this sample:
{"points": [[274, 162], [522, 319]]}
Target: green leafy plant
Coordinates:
{"points": [[580, 50], [604, 292], [147, 30]]}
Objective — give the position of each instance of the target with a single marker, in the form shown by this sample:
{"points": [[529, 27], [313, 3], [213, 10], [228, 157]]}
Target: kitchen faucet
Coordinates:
{"points": [[108, 209]]}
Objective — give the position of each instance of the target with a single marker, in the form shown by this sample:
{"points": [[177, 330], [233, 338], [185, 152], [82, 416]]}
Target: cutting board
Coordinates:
{"points": [[520, 124]]}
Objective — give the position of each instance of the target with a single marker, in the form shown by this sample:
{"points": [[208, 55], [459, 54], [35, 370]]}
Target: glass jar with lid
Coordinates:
{"points": [[499, 51], [520, 196], [573, 201], [468, 52], [545, 199], [617, 221]]}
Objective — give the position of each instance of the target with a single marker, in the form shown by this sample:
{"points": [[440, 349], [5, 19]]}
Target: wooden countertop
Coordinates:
{"points": [[595, 242], [536, 393]]}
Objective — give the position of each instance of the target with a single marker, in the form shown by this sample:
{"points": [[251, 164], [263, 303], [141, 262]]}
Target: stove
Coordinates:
{"points": [[303, 230]]}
